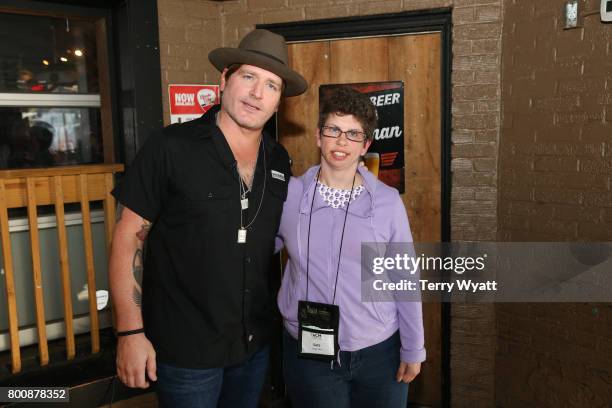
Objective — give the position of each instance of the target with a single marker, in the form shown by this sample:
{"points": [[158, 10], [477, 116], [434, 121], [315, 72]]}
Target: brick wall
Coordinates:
{"points": [[554, 185], [556, 156], [189, 29], [477, 26]]}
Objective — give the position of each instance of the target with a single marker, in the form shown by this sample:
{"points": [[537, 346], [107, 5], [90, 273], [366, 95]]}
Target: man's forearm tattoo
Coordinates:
{"points": [[137, 272], [144, 230], [137, 296], [137, 263]]}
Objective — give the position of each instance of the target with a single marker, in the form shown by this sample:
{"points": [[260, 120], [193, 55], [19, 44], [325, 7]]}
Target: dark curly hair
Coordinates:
{"points": [[344, 100]]}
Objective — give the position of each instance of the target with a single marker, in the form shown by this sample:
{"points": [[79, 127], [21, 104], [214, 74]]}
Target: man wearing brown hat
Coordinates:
{"points": [[208, 196]]}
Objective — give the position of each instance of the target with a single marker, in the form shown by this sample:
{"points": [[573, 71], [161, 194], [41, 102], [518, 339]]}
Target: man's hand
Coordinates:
{"points": [[407, 372], [135, 356]]}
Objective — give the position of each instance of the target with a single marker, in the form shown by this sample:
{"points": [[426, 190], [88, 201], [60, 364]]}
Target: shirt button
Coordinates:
{"points": [[250, 337]]}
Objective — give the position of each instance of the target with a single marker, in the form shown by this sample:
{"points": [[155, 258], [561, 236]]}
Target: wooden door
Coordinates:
{"points": [[416, 60]]}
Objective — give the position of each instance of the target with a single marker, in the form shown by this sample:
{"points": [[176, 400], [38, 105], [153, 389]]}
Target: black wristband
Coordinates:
{"points": [[130, 332]]}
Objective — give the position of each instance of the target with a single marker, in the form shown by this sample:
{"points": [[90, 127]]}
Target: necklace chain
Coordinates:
{"points": [[243, 192]]}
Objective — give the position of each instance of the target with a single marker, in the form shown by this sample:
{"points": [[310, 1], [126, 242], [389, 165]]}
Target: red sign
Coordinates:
{"points": [[191, 101]]}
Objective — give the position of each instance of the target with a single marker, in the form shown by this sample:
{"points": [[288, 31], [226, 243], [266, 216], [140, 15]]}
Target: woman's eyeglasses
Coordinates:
{"points": [[353, 135]]}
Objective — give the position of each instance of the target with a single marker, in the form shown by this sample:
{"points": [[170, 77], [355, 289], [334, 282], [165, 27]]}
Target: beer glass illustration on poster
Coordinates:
{"points": [[388, 146]]}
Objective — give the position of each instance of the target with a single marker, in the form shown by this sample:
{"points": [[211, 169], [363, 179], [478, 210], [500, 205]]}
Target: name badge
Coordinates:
{"points": [[317, 341], [278, 175], [318, 330]]}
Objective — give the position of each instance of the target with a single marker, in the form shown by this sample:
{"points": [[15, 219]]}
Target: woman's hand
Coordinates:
{"points": [[407, 372]]}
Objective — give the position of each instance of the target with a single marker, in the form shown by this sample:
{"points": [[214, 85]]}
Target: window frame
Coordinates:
{"points": [[103, 100]]}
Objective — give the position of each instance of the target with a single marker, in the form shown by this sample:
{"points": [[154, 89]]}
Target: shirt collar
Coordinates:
{"points": [[361, 208], [210, 130]]}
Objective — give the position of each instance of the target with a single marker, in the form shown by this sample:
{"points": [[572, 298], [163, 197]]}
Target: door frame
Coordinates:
{"points": [[409, 22]]}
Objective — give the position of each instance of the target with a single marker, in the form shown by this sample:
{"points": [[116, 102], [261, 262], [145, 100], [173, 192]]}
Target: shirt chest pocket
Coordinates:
{"points": [[276, 191], [215, 193], [211, 201], [195, 209]]}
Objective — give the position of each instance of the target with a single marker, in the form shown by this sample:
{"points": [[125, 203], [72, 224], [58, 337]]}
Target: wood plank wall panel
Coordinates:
{"points": [[16, 197], [359, 60], [62, 240], [41, 323], [298, 115], [30, 188], [416, 60], [62, 171], [15, 184], [109, 211], [89, 262], [11, 299]]}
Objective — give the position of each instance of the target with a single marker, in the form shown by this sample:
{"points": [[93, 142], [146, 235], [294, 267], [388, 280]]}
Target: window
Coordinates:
{"points": [[50, 105]]}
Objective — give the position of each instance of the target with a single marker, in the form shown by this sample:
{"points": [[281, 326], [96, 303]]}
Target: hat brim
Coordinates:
{"points": [[221, 58]]}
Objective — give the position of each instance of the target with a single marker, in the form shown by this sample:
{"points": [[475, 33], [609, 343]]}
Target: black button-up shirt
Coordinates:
{"points": [[206, 299]]}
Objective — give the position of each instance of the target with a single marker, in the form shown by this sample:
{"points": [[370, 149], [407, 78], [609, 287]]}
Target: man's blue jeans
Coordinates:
{"points": [[365, 378], [226, 387]]}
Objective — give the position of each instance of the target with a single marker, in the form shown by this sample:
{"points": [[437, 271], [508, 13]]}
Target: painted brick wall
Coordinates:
{"points": [[554, 185], [477, 27], [189, 29], [556, 156]]}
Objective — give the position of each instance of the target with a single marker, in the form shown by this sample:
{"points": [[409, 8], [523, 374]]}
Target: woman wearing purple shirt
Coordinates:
{"points": [[340, 351]]}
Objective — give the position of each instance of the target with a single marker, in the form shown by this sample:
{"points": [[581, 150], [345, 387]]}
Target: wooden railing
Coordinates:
{"points": [[54, 186]]}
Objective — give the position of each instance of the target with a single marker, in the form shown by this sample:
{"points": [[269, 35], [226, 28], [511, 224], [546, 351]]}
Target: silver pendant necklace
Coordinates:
{"points": [[244, 201], [244, 190]]}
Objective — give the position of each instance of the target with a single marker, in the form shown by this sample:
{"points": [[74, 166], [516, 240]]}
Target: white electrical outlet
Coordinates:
{"points": [[571, 14], [606, 10]]}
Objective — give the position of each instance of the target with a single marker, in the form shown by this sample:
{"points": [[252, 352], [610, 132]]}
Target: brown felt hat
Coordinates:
{"points": [[266, 50]]}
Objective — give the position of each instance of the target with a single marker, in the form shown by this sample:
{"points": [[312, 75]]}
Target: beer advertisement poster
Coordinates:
{"points": [[386, 154], [188, 102]]}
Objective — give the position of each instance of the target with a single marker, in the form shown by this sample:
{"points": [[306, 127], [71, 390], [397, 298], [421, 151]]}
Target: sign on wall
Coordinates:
{"points": [[386, 154], [188, 102]]}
